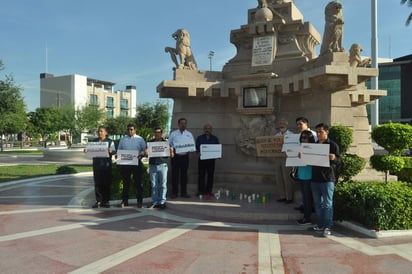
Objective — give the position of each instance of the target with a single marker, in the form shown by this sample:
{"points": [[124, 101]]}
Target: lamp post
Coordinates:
{"points": [[211, 54]]}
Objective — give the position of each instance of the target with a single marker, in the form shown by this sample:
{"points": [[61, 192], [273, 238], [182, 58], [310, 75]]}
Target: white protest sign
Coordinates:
{"points": [[158, 149], [184, 146], [128, 157], [97, 149], [315, 154], [209, 151], [290, 140]]}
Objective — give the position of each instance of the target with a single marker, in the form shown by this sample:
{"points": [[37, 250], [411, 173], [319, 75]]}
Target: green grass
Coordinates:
{"points": [[11, 173], [36, 152]]}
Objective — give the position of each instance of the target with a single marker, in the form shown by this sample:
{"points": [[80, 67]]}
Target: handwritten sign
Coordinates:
{"points": [[269, 146], [97, 149], [210, 151], [128, 157], [158, 149]]}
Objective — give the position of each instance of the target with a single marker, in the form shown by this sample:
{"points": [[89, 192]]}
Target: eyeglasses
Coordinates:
{"points": [[130, 129]]}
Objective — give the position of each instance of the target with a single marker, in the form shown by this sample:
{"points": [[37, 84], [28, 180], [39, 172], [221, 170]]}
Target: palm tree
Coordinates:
{"points": [[409, 3]]}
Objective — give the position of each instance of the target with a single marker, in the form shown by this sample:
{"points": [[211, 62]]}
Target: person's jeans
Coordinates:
{"points": [[323, 200], [158, 180], [307, 199]]}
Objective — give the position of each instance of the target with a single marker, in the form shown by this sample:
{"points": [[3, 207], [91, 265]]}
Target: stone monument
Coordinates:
{"points": [[275, 73]]}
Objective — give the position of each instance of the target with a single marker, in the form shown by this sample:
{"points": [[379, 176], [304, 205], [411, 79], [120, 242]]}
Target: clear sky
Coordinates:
{"points": [[123, 41]]}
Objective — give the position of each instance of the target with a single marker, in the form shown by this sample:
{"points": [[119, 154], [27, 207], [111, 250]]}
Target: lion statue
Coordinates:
{"points": [[355, 59], [333, 34], [187, 60]]}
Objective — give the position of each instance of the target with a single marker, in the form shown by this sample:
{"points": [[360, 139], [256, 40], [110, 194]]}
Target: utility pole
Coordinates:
{"points": [[211, 54]]}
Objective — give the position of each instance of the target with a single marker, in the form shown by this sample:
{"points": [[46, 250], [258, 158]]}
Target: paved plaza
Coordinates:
{"points": [[47, 226]]}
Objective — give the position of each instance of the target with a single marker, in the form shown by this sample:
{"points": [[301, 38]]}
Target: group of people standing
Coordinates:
{"points": [[316, 182], [158, 166]]}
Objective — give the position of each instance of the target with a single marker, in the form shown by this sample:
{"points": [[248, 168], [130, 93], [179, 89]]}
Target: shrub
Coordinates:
{"points": [[342, 135], [350, 166], [65, 170], [394, 137], [387, 163], [379, 206], [117, 184]]}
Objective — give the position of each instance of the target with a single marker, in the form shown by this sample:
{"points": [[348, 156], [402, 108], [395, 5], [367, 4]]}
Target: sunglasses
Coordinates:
{"points": [[130, 129]]}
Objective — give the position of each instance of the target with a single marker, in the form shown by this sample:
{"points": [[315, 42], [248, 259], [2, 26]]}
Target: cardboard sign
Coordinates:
{"points": [[269, 146]]}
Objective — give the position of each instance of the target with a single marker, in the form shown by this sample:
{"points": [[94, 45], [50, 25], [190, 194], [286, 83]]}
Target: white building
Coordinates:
{"points": [[79, 91]]}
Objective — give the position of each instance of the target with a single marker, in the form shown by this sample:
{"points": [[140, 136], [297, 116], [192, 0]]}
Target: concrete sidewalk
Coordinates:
{"points": [[47, 226]]}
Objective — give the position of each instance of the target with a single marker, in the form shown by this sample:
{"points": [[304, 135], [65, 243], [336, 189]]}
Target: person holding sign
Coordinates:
{"points": [[285, 186], [132, 142], [323, 183], [182, 142], [159, 152], [205, 166], [305, 177], [102, 166]]}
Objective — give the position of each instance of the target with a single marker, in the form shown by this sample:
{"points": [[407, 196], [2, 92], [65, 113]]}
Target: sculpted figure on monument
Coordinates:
{"points": [[355, 59], [183, 50], [333, 34]]}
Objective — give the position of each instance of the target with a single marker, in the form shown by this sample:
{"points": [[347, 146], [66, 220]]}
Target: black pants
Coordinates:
{"points": [[206, 167], [127, 171], [180, 165], [102, 176]]}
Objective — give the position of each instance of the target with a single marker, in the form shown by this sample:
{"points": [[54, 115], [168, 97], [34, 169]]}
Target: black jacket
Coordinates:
{"points": [[322, 174]]}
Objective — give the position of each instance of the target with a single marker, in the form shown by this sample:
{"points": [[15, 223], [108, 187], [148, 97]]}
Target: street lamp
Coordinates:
{"points": [[211, 54]]}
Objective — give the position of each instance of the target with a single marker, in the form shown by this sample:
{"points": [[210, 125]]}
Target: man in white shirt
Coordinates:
{"points": [[182, 142], [132, 141]]}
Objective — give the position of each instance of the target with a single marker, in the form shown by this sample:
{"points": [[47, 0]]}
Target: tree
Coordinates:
{"points": [[45, 121], [151, 115], [118, 125], [12, 108], [409, 4]]}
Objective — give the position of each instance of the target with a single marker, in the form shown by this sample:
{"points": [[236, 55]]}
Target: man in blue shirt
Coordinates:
{"points": [[132, 141], [208, 165]]}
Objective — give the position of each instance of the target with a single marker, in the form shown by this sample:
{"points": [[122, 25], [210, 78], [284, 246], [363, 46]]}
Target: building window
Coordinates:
{"points": [[110, 102], [255, 97], [94, 100], [110, 113], [124, 104], [124, 113]]}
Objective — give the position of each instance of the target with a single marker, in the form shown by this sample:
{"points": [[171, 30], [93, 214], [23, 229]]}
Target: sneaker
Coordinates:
{"points": [[327, 232], [317, 228], [162, 206], [139, 204], [304, 221], [105, 205], [124, 204]]}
